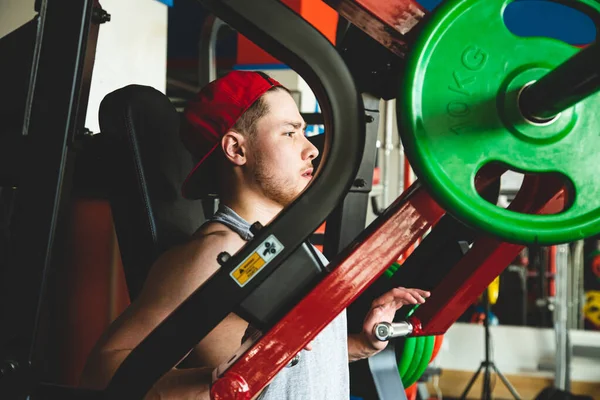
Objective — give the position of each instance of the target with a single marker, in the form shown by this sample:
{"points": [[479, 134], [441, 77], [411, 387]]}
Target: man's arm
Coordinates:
{"points": [[359, 348], [180, 384], [383, 309], [172, 279]]}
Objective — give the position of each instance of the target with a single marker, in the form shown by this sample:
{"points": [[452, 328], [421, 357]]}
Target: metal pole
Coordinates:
{"points": [[576, 295], [400, 166], [207, 59], [388, 147], [563, 354]]}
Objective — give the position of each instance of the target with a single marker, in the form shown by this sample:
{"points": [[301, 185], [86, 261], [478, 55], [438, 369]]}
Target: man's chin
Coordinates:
{"points": [[285, 200]]}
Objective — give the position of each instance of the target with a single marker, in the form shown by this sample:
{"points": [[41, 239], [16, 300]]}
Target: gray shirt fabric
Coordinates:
{"points": [[322, 373]]}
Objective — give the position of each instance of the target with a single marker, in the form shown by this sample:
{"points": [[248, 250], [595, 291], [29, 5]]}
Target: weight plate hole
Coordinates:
{"points": [[503, 191]]}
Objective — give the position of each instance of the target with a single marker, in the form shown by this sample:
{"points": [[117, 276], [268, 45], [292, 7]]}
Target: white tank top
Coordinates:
{"points": [[320, 374]]}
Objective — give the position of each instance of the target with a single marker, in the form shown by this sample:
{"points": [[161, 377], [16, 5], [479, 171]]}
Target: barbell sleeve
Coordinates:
{"points": [[568, 84]]}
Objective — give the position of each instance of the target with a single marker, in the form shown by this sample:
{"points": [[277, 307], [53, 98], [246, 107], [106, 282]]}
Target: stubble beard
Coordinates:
{"points": [[280, 190]]}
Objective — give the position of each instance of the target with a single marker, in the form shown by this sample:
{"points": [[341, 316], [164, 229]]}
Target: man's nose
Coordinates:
{"points": [[311, 152]]}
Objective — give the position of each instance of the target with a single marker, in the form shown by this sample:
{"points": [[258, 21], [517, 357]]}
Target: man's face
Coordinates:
{"points": [[280, 156]]}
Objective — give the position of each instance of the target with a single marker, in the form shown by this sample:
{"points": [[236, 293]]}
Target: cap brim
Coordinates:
{"points": [[201, 181]]}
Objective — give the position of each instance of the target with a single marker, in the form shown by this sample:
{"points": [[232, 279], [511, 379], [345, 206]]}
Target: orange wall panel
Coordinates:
{"points": [[321, 16], [93, 288], [316, 12]]}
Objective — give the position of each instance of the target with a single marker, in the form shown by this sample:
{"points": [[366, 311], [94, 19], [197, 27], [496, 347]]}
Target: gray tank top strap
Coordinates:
{"points": [[233, 221]]}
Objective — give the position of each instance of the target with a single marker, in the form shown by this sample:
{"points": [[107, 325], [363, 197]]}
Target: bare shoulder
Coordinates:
{"points": [[185, 267], [214, 238]]}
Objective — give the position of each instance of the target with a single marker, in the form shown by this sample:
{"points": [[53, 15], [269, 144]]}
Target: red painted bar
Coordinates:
{"points": [[483, 263], [389, 22], [362, 263], [359, 266], [402, 15]]}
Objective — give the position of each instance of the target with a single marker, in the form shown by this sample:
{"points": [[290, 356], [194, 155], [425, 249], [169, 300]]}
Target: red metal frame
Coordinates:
{"points": [[483, 263], [363, 262], [401, 225], [359, 266], [389, 22]]}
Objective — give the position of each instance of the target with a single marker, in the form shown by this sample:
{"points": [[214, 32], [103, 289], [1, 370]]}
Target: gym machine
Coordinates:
{"points": [[49, 142], [362, 261]]}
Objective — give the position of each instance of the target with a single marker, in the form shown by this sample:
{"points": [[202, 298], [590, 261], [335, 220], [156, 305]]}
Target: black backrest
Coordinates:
{"points": [[145, 165], [16, 55]]}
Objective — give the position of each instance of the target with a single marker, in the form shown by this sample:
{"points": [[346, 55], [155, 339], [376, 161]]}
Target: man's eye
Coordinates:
{"points": [[290, 133]]}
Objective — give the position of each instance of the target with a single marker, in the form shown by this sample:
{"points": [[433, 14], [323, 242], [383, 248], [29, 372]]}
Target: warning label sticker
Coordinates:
{"points": [[256, 261]]}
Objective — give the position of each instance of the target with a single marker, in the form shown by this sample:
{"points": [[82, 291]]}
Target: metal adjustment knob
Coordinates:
{"points": [[100, 16], [255, 227], [384, 331], [223, 257], [7, 367]]}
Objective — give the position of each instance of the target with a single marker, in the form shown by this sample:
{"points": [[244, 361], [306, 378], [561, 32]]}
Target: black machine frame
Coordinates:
{"points": [[61, 70], [59, 89]]}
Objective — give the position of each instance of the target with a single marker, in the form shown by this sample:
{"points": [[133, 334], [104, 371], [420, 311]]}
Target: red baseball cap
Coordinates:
{"points": [[210, 115]]}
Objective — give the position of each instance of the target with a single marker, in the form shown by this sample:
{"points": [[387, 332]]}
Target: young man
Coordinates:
{"points": [[248, 134]]}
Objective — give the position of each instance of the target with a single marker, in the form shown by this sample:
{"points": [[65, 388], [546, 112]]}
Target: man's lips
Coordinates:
{"points": [[308, 173]]}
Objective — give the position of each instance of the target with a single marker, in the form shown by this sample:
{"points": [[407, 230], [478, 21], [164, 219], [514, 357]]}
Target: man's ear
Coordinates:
{"points": [[234, 147]]}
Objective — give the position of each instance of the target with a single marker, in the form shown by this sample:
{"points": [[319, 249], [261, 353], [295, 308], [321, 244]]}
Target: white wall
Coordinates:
{"points": [[132, 49], [517, 350], [14, 13]]}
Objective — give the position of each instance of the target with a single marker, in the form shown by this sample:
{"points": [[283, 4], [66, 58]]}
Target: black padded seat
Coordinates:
{"points": [[145, 164]]}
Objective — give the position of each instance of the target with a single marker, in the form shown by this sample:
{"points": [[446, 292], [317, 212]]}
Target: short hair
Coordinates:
{"points": [[246, 124]]}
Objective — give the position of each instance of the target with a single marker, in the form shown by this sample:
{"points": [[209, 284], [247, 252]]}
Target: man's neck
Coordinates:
{"points": [[253, 208]]}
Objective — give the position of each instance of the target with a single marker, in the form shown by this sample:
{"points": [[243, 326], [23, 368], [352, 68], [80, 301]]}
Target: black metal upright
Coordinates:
{"points": [[279, 30], [350, 217], [58, 104], [55, 111]]}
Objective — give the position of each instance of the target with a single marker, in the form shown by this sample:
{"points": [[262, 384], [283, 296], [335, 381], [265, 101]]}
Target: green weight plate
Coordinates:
{"points": [[419, 347], [416, 356], [399, 345], [392, 269], [457, 112], [405, 357], [422, 364]]}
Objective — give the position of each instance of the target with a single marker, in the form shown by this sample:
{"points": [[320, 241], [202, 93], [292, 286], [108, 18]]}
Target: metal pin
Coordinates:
{"points": [[294, 361], [385, 331]]}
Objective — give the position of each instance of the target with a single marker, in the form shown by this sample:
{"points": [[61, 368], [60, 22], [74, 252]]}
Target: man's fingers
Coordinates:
{"points": [[423, 293], [407, 296], [417, 295], [395, 298], [399, 296]]}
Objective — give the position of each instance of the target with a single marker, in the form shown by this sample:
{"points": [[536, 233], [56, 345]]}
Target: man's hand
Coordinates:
{"points": [[382, 309]]}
